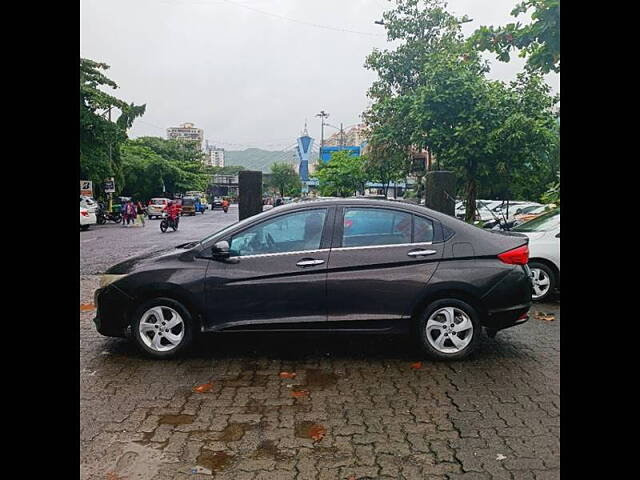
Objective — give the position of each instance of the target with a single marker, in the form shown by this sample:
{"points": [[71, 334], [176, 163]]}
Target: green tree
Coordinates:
{"points": [[342, 175], [171, 166], [385, 164], [100, 137], [285, 179], [539, 41], [432, 92]]}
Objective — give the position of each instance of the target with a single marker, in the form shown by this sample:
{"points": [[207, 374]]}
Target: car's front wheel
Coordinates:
{"points": [[162, 328], [448, 329], [544, 281]]}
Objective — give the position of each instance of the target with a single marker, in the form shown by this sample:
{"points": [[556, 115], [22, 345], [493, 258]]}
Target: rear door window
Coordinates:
{"points": [[422, 230], [375, 226]]}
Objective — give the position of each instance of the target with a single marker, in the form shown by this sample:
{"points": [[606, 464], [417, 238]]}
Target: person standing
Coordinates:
{"points": [[131, 212], [141, 212]]}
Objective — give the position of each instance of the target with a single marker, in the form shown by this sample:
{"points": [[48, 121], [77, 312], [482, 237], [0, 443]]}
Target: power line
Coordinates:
{"points": [[294, 20]]}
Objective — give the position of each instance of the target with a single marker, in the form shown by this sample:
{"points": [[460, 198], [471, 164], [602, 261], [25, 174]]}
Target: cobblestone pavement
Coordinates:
{"points": [[495, 415]]}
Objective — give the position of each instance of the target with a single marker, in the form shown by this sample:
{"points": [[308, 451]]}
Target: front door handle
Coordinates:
{"points": [[309, 263], [421, 253]]}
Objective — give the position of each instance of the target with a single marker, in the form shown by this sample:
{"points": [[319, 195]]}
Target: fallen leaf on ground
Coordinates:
{"points": [[351, 477], [114, 476], [317, 433], [416, 365], [545, 317], [500, 457], [85, 307], [205, 387], [288, 374], [300, 393]]}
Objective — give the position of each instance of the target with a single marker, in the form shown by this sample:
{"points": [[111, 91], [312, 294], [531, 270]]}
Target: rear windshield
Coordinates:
{"points": [[158, 201], [543, 223]]}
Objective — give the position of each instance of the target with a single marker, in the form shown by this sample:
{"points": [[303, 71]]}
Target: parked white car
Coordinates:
{"points": [[87, 218], [544, 252], [89, 203]]}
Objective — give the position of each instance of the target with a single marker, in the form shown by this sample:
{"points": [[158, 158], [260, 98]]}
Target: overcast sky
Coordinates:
{"points": [[242, 72]]}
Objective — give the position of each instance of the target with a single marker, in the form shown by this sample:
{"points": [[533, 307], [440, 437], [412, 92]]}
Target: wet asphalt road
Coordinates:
{"points": [[104, 245], [364, 411]]}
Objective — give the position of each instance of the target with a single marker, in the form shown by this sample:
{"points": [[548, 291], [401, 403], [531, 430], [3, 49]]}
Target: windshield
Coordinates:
{"points": [[543, 223], [158, 201]]}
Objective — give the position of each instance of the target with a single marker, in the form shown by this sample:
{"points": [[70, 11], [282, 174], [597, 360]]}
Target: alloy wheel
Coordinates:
{"points": [[541, 283], [161, 328], [449, 330]]}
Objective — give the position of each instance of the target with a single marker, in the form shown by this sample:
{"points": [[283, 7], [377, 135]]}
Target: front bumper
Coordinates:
{"points": [[112, 311]]}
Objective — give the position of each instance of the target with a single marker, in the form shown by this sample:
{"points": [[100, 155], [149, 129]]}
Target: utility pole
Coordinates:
{"points": [[322, 116], [110, 206], [341, 135]]}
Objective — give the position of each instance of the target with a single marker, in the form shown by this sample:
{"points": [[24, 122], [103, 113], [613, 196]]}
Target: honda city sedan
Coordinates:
{"points": [[352, 265]]}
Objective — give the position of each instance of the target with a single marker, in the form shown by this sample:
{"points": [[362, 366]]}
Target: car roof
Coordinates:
{"points": [[365, 202]]}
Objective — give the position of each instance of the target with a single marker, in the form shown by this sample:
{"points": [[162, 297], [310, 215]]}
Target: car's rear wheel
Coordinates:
{"points": [[544, 281], [84, 227], [162, 328], [448, 329]]}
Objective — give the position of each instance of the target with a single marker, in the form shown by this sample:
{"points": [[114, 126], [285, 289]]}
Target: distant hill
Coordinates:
{"points": [[258, 159]]}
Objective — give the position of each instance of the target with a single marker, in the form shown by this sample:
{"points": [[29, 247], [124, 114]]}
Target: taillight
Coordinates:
{"points": [[517, 256], [84, 213]]}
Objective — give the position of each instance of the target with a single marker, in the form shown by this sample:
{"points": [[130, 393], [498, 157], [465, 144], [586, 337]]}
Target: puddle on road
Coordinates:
{"points": [[268, 449], [214, 461], [318, 378], [176, 419], [233, 432], [254, 406]]}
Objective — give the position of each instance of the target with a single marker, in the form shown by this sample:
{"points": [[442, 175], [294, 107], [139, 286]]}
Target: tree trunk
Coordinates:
{"points": [[471, 195]]}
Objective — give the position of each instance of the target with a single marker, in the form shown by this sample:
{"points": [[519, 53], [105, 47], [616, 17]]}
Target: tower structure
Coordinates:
{"points": [[305, 142]]}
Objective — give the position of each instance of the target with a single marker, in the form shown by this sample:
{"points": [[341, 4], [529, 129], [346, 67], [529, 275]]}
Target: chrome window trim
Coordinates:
{"points": [[277, 254], [383, 246]]}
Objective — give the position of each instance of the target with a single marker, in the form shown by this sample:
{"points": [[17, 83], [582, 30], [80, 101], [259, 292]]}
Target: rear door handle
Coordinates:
{"points": [[309, 263], [421, 253]]}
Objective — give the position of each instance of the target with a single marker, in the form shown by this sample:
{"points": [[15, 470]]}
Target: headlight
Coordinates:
{"points": [[106, 280]]}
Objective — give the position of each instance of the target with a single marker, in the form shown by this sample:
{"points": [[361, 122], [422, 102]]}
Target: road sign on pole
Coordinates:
{"points": [[109, 186]]}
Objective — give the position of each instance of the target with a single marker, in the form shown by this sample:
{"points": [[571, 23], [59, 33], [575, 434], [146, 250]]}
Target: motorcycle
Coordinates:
{"points": [[225, 208], [102, 216], [167, 222]]}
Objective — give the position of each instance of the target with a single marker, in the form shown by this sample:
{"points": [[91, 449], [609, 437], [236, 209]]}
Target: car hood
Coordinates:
{"points": [[147, 259]]}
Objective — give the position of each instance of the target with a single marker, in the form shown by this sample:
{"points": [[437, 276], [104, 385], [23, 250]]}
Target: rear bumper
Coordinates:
{"points": [[508, 317], [112, 307], [508, 302]]}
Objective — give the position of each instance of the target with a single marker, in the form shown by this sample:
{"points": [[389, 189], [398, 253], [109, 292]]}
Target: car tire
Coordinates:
{"points": [[173, 340], [436, 337], [84, 228], [544, 280]]}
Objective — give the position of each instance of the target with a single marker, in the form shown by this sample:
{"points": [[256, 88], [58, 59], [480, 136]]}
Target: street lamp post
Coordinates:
{"points": [[322, 116]]}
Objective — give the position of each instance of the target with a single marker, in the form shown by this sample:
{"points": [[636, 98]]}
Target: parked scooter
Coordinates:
{"points": [[102, 215]]}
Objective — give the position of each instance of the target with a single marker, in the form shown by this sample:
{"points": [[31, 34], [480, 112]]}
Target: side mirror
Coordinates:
{"points": [[221, 250]]}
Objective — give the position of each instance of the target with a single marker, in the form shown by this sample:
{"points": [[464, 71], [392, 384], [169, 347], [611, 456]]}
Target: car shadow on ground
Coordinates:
{"points": [[313, 347]]}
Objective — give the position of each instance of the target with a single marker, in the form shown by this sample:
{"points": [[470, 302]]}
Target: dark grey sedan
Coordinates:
{"points": [[353, 265]]}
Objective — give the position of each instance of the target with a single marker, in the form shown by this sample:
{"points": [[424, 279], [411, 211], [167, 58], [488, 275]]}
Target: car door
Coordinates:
{"points": [[276, 274], [381, 261]]}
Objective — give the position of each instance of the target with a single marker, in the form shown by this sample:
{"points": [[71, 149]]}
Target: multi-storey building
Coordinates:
{"points": [[214, 156], [187, 132]]}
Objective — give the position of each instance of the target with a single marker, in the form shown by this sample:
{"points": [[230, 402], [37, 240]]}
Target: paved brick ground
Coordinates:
{"points": [[496, 415]]}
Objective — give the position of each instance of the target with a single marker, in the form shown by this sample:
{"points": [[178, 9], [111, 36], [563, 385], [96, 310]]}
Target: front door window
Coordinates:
{"points": [[287, 233]]}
